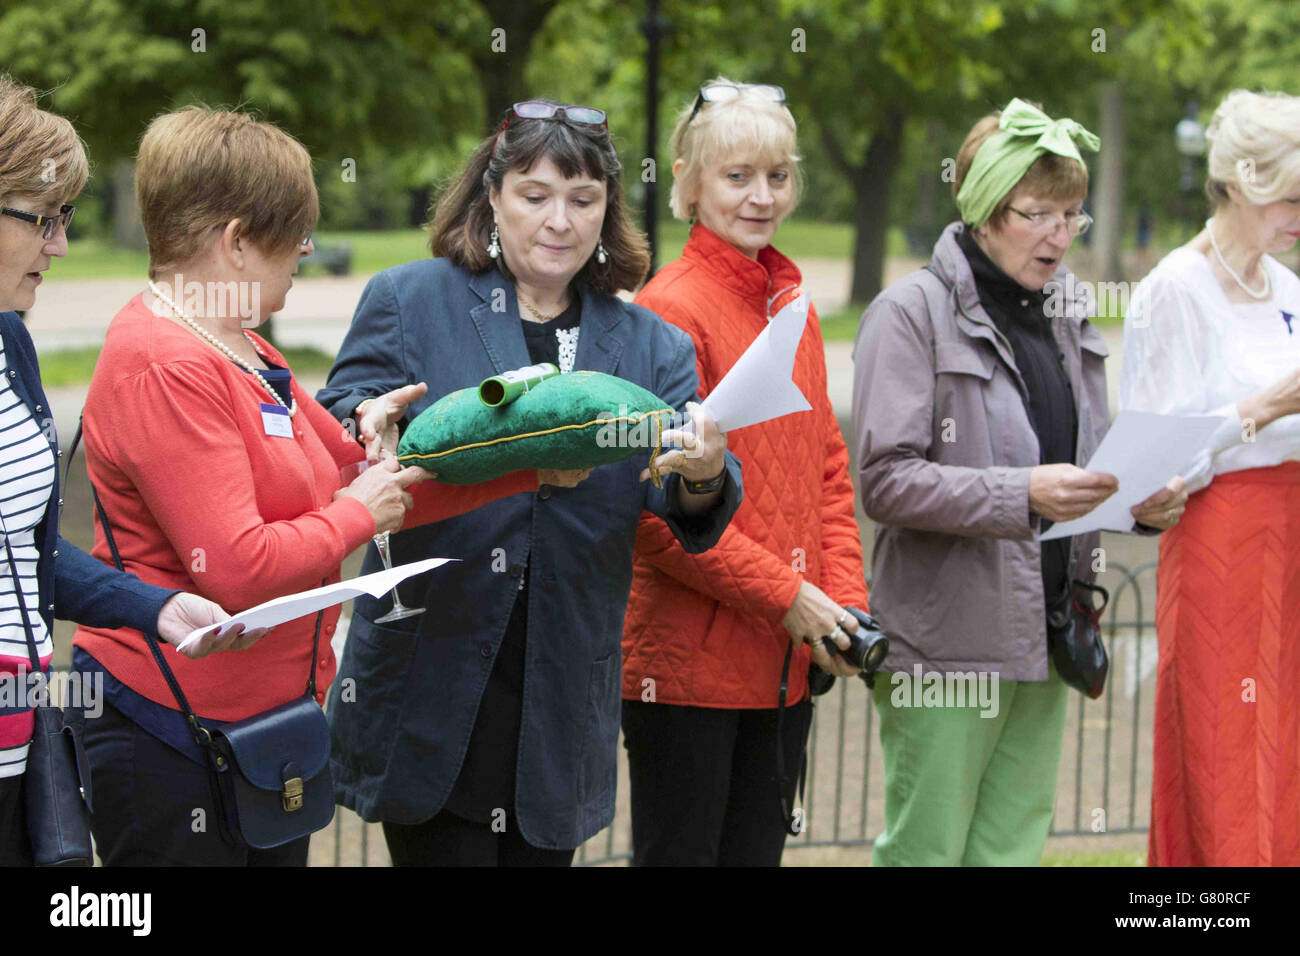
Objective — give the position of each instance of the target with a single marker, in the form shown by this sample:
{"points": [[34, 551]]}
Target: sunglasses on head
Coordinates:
{"points": [[721, 92], [541, 110]]}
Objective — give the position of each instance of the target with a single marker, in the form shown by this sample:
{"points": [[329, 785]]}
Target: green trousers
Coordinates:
{"points": [[963, 789]]}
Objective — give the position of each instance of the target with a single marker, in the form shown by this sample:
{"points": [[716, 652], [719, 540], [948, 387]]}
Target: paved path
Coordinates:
{"points": [[75, 313]]}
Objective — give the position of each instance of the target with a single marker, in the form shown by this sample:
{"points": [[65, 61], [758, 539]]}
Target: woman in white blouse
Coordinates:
{"points": [[1215, 329]]}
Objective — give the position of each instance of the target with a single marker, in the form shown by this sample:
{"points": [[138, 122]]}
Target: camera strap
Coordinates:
{"points": [[791, 818]]}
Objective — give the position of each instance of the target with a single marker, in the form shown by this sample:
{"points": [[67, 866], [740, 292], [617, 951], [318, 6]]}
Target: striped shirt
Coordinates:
{"points": [[27, 473]]}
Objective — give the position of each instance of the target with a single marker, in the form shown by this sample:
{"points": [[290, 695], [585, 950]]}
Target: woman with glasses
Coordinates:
{"points": [[42, 576], [1212, 330], [218, 472], [485, 731], [702, 744], [980, 386]]}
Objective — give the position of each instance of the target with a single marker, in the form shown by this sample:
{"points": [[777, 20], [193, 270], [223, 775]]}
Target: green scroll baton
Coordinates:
{"points": [[505, 388]]}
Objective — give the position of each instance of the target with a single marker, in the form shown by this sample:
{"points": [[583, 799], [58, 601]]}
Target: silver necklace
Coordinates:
{"points": [[223, 348], [1268, 282]]}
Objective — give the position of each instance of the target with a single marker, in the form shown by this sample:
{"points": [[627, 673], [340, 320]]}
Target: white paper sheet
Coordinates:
{"points": [[1144, 451], [759, 386], [291, 606]]}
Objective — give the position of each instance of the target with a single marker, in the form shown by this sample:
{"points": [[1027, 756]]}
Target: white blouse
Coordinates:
{"points": [[1188, 350]]}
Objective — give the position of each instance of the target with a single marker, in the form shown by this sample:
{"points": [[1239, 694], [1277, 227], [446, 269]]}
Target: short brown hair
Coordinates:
{"points": [[40, 153], [1049, 177], [199, 168], [462, 219]]}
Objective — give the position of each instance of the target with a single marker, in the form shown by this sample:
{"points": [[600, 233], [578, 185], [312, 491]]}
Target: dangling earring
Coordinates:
{"points": [[601, 255], [494, 247]]}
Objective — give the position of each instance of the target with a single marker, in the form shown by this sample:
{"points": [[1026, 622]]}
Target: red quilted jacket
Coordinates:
{"points": [[706, 628]]}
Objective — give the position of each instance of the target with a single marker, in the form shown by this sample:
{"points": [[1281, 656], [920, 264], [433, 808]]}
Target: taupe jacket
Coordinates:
{"points": [[944, 450]]}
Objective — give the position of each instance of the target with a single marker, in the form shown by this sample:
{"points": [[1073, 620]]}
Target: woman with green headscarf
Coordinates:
{"points": [[980, 386]]}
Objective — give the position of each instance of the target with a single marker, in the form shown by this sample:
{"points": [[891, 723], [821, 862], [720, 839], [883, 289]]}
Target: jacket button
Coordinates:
{"points": [[486, 649], [55, 553], [13, 374], [324, 662], [329, 629], [60, 451], [39, 409], [60, 502], [50, 608], [544, 492]]}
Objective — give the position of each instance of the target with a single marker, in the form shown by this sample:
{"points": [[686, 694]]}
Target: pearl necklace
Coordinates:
{"points": [[223, 348], [1268, 282]]}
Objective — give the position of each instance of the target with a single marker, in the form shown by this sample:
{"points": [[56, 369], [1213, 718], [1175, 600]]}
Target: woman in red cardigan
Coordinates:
{"points": [[220, 474], [706, 634]]}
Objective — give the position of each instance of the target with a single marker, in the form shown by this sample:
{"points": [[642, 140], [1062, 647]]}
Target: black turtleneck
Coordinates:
{"points": [[1020, 315]]}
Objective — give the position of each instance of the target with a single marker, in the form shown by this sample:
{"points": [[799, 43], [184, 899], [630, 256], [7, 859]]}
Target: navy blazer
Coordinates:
{"points": [[73, 585], [405, 699]]}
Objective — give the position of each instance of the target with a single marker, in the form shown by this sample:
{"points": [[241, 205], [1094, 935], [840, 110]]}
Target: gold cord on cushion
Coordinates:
{"points": [[654, 473]]}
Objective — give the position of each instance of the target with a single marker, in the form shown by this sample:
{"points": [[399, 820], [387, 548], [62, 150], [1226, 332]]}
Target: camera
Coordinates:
{"points": [[867, 647]]}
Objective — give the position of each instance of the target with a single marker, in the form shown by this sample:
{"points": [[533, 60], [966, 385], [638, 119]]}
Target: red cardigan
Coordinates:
{"points": [[706, 628], [202, 499]]}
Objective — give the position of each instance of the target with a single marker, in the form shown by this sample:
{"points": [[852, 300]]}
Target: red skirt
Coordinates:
{"points": [[1226, 778]]}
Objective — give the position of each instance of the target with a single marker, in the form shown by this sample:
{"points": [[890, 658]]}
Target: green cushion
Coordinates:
{"points": [[568, 422]]}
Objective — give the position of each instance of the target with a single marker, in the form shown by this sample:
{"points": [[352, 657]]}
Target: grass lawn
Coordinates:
{"points": [[65, 367], [373, 251]]}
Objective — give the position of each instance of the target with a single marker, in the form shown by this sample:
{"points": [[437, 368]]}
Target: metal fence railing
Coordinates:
{"points": [[1104, 783]]}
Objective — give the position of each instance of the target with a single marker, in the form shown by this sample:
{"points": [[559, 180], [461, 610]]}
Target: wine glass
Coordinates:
{"points": [[400, 612]]}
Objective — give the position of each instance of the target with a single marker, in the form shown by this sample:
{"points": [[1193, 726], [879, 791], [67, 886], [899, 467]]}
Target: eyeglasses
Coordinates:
{"points": [[721, 92], [1046, 223], [49, 224], [541, 110]]}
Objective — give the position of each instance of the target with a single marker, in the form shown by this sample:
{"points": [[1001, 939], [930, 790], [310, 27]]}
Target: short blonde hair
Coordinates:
{"points": [[199, 168], [1049, 176], [749, 125], [1255, 146], [41, 155]]}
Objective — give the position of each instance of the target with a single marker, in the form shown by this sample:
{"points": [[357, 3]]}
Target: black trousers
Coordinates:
{"points": [[15, 848], [154, 806], [704, 782], [448, 840]]}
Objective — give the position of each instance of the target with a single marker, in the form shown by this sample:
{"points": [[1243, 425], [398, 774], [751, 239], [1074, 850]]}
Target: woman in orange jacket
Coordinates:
{"points": [[706, 634]]}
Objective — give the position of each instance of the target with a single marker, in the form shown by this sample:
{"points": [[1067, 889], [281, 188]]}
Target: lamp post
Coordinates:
{"points": [[654, 26], [1189, 138]]}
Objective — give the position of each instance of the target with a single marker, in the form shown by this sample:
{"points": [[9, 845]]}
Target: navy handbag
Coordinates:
{"points": [[58, 773], [269, 773]]}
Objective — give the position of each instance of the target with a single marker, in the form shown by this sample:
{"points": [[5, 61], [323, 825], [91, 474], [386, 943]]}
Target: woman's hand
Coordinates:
{"points": [[382, 489], [813, 616], [563, 479], [702, 455], [1163, 509], [1065, 492], [379, 418], [184, 613]]}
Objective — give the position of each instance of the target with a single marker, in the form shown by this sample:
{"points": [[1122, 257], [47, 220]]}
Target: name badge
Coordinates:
{"points": [[275, 419]]}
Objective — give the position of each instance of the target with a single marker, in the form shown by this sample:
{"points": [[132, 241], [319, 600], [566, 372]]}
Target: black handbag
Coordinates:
{"points": [[1074, 639], [269, 773], [58, 825]]}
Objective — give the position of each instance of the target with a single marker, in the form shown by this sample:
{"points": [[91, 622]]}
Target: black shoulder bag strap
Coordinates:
{"points": [[32, 650], [202, 736]]}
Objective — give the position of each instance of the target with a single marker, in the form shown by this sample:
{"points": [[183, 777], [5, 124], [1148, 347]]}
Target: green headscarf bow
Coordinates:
{"points": [[1025, 133]]}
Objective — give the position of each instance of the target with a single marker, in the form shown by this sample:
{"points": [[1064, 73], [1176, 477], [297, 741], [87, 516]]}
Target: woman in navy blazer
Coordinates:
{"points": [[485, 731], [70, 584]]}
